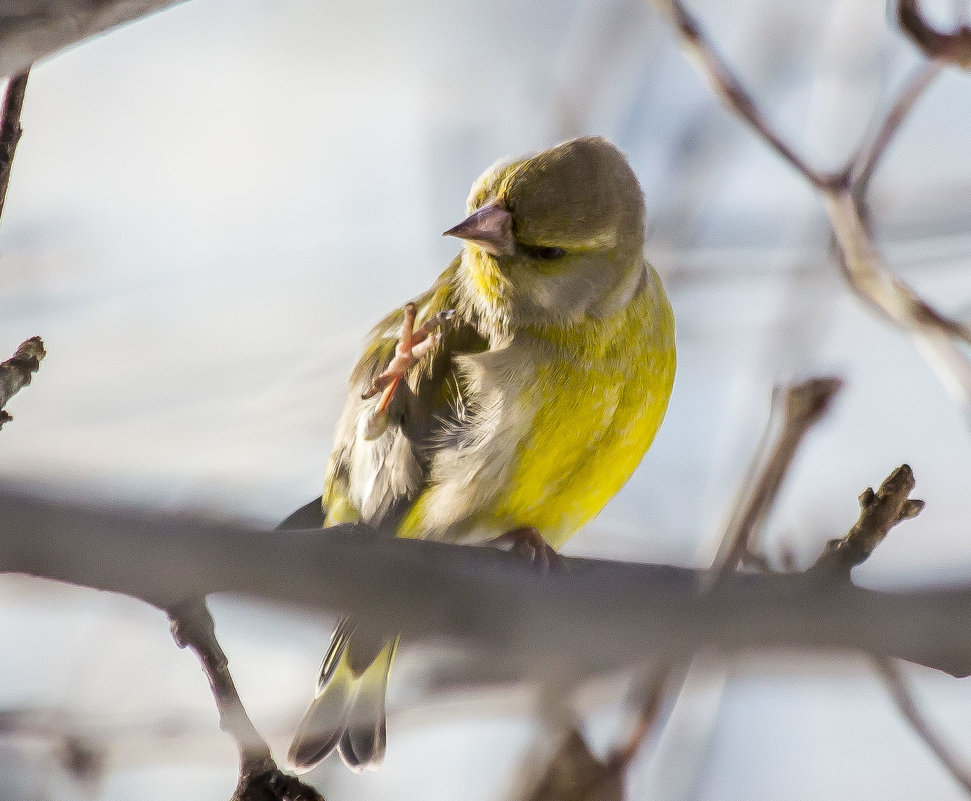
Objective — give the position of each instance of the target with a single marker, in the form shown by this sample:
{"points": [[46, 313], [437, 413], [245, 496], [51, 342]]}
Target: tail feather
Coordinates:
{"points": [[365, 736], [348, 712]]}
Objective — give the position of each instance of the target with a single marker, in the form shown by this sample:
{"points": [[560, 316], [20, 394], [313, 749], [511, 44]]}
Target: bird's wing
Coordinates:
{"points": [[376, 480]]}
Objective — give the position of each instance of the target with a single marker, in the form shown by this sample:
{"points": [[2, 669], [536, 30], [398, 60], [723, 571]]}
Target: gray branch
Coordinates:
{"points": [[34, 29], [604, 615]]}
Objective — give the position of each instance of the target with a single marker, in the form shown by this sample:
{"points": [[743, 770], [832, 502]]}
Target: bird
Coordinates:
{"points": [[507, 403]]}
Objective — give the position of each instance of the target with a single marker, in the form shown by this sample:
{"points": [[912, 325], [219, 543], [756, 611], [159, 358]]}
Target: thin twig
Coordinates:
{"points": [[795, 409], [726, 85], [646, 720], [865, 161], [259, 777], [902, 695], [954, 47], [16, 372], [193, 627], [10, 130], [880, 511]]}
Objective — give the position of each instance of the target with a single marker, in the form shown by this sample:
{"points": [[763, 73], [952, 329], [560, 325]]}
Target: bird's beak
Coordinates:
{"points": [[490, 228]]}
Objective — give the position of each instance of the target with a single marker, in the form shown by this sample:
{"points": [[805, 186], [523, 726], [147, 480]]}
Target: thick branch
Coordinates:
{"points": [[612, 615], [34, 29], [16, 372]]}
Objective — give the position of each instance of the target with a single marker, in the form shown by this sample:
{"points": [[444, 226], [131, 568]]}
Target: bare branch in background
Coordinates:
{"points": [[724, 84], [795, 409], [900, 692], [954, 48], [10, 130], [933, 333], [34, 29], [865, 163], [16, 372]]}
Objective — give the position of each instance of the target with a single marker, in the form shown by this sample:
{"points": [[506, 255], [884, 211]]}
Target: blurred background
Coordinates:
{"points": [[211, 207]]}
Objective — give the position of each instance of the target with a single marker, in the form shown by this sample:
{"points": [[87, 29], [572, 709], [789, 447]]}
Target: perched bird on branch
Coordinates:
{"points": [[509, 402]]}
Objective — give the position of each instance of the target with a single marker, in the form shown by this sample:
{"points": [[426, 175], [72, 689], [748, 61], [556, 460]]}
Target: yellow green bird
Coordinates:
{"points": [[511, 400]]}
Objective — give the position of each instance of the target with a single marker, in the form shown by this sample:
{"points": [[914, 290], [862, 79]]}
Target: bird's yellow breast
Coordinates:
{"points": [[597, 411], [580, 411]]}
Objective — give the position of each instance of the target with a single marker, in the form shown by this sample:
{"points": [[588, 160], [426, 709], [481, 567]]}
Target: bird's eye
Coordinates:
{"points": [[546, 253]]}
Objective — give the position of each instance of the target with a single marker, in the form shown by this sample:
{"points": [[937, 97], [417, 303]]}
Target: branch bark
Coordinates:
{"points": [[259, 777], [954, 47], [16, 372], [10, 130], [613, 615], [31, 30]]}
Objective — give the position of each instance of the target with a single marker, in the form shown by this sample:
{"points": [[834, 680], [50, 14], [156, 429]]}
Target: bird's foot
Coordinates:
{"points": [[529, 543], [412, 345]]}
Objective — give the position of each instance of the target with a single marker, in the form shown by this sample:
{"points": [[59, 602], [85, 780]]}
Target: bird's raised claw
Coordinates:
{"points": [[412, 345]]}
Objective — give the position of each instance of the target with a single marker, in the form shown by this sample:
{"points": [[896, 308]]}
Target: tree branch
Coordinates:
{"points": [[259, 777], [954, 48], [16, 372], [614, 615], [797, 408], [903, 698], [34, 29], [880, 511], [10, 130], [933, 333]]}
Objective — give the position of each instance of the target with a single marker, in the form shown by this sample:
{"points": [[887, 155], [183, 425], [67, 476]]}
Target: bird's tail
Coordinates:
{"points": [[348, 710]]}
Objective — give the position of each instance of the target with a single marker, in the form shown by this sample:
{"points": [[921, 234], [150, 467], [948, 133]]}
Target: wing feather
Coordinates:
{"points": [[376, 480]]}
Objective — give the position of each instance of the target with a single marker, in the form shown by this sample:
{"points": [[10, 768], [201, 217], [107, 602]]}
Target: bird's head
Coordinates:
{"points": [[555, 238]]}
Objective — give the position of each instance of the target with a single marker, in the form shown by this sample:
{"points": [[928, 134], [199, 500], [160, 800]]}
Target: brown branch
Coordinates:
{"points": [[954, 48], [16, 372], [10, 130], [900, 692], [880, 511], [575, 774], [726, 86]]}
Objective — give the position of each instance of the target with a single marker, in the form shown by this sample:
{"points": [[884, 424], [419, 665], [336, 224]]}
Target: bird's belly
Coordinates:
{"points": [[592, 426]]}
